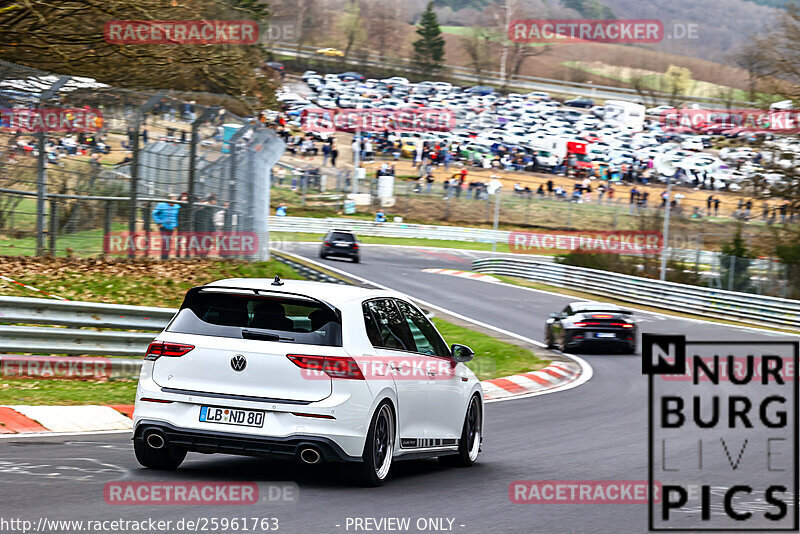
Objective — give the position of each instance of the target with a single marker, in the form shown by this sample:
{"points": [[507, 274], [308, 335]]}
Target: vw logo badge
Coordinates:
{"points": [[238, 362]]}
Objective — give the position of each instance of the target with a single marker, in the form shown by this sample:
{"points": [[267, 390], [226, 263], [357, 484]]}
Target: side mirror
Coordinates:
{"points": [[461, 353], [555, 315]]}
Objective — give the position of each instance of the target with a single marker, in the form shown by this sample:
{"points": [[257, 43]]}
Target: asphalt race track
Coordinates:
{"points": [[597, 431]]}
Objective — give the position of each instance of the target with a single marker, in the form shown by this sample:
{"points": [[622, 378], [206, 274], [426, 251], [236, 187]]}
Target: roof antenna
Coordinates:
{"points": [[277, 281]]}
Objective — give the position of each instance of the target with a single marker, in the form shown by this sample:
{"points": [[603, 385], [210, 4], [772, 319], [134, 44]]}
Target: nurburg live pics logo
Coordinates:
{"points": [[722, 434]]}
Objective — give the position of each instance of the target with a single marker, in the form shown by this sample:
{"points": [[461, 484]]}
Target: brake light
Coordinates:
{"points": [[327, 243], [333, 366], [355, 245], [162, 348], [314, 415], [580, 324], [602, 316], [162, 401]]}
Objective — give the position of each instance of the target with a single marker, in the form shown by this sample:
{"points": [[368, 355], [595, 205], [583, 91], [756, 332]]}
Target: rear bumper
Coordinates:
{"points": [[350, 253], [243, 444], [618, 342]]}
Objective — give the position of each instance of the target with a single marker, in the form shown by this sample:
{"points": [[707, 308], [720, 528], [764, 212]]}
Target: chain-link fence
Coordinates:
{"points": [[88, 169]]}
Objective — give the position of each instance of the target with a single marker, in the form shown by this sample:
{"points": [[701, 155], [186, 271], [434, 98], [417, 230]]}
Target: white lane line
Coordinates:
{"points": [[586, 369]]}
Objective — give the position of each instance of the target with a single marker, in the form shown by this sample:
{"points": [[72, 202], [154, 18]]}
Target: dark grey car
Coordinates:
{"points": [[340, 243]]}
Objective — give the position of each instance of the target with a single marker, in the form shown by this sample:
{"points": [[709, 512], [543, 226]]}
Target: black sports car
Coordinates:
{"points": [[591, 325]]}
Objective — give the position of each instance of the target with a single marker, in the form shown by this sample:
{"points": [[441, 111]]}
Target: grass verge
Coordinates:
{"points": [[493, 358], [66, 392]]}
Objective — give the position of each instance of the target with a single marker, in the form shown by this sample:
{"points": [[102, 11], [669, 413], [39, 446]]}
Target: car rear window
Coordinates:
{"points": [[260, 317], [341, 236]]}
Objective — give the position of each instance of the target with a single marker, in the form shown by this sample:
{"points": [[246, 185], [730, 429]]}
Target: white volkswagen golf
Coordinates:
{"points": [[306, 370]]}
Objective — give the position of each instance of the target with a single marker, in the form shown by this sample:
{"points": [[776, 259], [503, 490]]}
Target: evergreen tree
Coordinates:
{"points": [[735, 262], [429, 48]]}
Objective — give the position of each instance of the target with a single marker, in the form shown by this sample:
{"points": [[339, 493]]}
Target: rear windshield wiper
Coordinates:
{"points": [[264, 336]]}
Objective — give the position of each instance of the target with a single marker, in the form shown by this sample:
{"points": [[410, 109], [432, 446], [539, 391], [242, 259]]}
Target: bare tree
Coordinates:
{"points": [[383, 20], [477, 46]]}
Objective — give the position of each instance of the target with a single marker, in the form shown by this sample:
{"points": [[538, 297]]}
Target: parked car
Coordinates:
{"points": [[580, 102], [330, 52]]}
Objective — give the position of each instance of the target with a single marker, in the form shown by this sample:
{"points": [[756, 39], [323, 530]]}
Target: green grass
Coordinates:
{"points": [[161, 284], [493, 357], [66, 392]]}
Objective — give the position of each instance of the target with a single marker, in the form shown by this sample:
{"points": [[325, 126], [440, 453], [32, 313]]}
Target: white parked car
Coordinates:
{"points": [[305, 370]]}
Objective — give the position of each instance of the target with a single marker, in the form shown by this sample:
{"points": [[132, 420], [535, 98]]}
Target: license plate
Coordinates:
{"points": [[605, 334], [342, 244], [231, 416]]}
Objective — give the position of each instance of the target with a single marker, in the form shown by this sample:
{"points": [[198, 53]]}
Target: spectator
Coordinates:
{"points": [[709, 203], [326, 153], [281, 210], [334, 154], [634, 199], [540, 191], [550, 187], [716, 206], [380, 216], [165, 216]]}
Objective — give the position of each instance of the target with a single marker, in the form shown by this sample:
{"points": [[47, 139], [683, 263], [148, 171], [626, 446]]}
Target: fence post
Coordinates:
{"points": [[731, 272], [53, 226], [41, 170], [107, 225], [528, 209], [204, 116], [140, 113]]}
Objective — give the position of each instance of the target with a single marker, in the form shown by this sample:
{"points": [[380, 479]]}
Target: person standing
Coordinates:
{"points": [[334, 154], [634, 199], [165, 216], [326, 152], [716, 206]]}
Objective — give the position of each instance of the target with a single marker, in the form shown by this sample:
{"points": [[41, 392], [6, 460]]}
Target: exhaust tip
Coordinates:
{"points": [[310, 456], [155, 440]]}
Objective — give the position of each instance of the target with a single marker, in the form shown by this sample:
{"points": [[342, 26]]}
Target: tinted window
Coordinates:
{"points": [[252, 316], [392, 331], [426, 339], [341, 236]]}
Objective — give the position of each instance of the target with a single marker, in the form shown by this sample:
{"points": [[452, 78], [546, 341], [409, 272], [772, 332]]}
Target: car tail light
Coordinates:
{"points": [[314, 415], [580, 324], [577, 337], [333, 366], [162, 401], [161, 348], [327, 243], [602, 316], [355, 245]]}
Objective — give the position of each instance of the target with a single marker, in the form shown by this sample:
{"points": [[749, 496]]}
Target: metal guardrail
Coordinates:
{"points": [[92, 328], [743, 307]]}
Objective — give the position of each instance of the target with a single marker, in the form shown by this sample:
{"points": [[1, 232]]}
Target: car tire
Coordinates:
{"points": [[376, 461], [469, 446], [164, 459], [356, 259], [548, 342]]}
